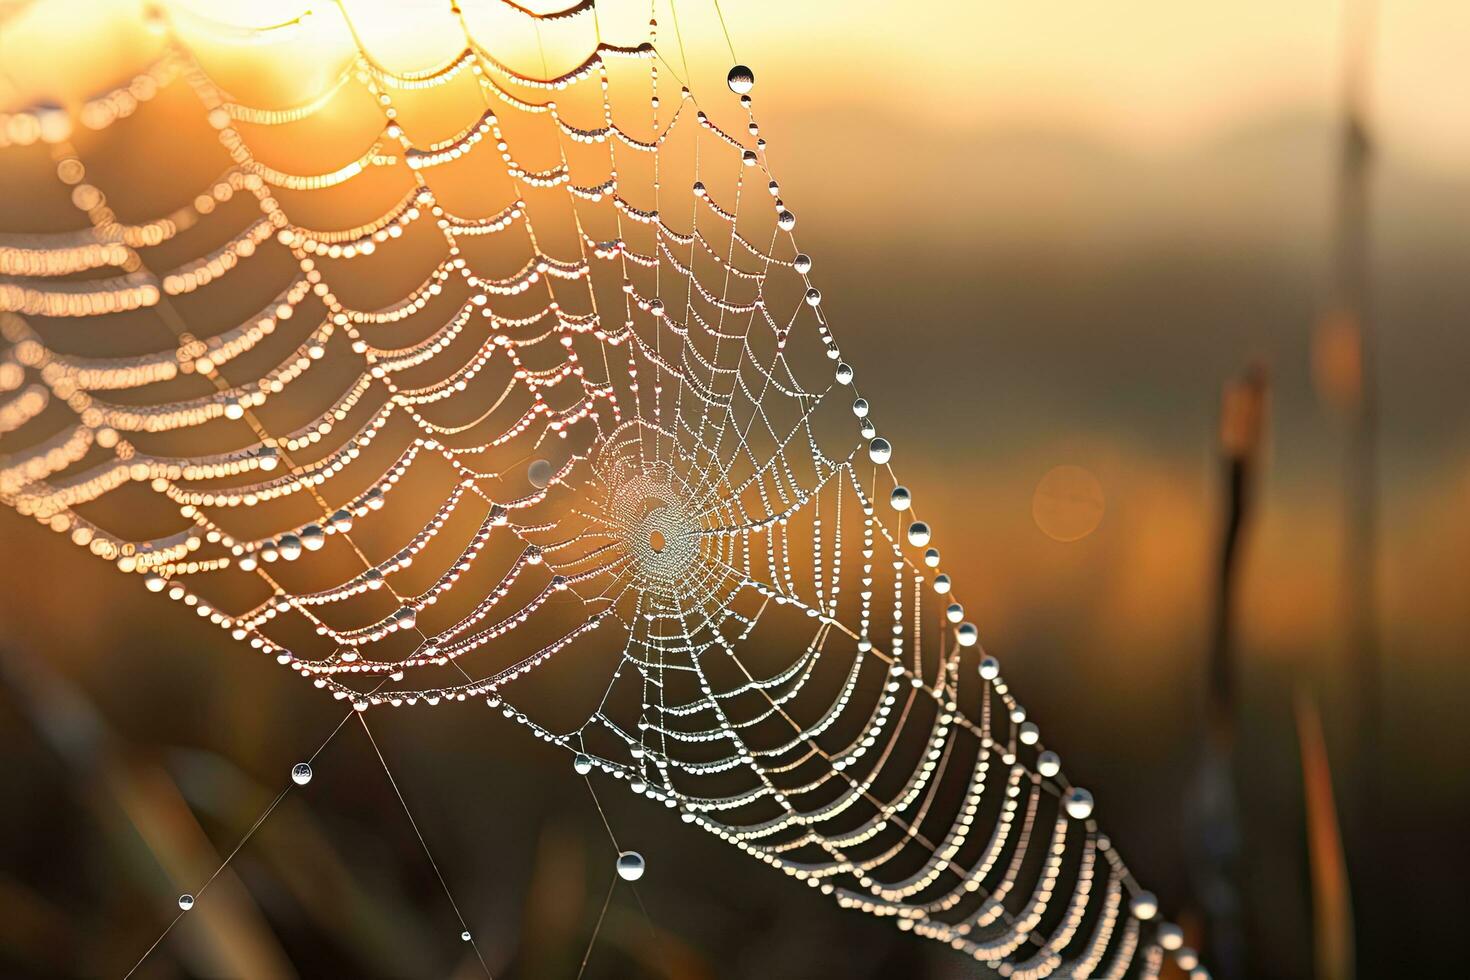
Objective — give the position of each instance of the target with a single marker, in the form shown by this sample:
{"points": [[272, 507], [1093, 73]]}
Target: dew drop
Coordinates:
{"points": [[741, 79], [630, 865], [918, 534], [1079, 803]]}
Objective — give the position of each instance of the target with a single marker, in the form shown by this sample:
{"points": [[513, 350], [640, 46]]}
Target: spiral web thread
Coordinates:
{"points": [[647, 463]]}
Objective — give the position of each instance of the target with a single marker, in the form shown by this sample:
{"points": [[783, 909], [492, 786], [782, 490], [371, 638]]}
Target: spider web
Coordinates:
{"points": [[606, 432]]}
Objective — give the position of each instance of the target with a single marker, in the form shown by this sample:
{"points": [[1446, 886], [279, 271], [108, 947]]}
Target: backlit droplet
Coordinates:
{"points": [[186, 901], [1079, 803], [899, 499], [989, 668], [630, 865], [918, 534], [582, 763], [967, 634], [465, 935], [1048, 764], [879, 451], [539, 473], [741, 79], [802, 263], [301, 773], [1171, 937], [1144, 905]]}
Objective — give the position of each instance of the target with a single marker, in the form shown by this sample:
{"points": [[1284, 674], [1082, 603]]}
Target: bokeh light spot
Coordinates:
{"points": [[1068, 503]]}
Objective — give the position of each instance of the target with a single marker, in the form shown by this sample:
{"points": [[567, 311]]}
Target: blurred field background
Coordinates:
{"points": [[1059, 230]]}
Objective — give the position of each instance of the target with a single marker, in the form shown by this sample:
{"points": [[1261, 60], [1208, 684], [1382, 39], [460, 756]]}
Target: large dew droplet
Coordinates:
{"points": [[741, 79], [918, 534], [539, 473], [301, 773], [1079, 804], [630, 865]]}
